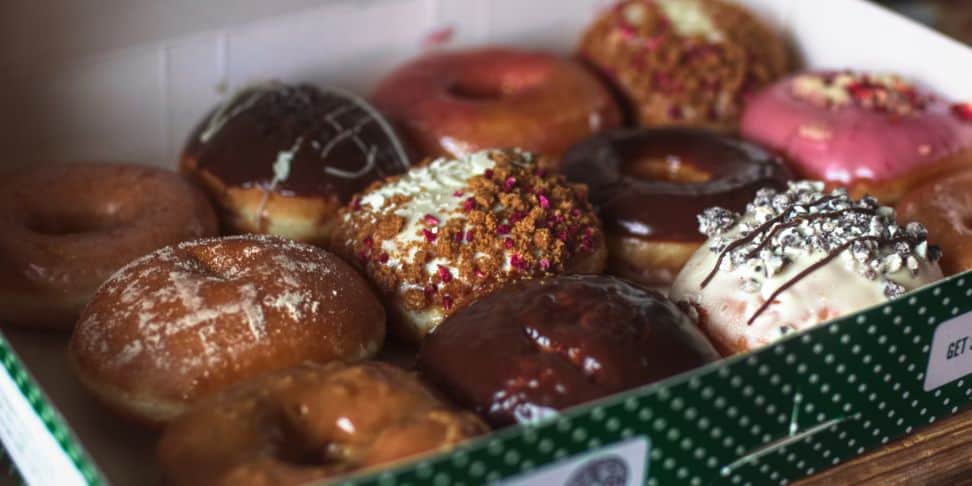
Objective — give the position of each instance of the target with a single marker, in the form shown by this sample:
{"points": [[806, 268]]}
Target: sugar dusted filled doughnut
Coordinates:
{"points": [[309, 423], [797, 258], [283, 159], [445, 234], [684, 62], [649, 184], [455, 103], [537, 346], [944, 206], [67, 228], [193, 318], [875, 134]]}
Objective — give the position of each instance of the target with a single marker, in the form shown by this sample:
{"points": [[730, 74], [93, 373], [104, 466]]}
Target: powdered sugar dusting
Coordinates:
{"points": [[187, 308]]}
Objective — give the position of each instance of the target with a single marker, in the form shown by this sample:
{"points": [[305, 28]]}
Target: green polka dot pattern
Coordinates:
{"points": [[810, 402], [784, 412], [52, 420]]}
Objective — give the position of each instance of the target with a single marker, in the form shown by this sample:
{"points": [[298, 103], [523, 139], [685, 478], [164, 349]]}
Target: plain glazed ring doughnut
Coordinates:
{"points": [[283, 159], [447, 233], [67, 228], [450, 104], [649, 184], [535, 347], [944, 206], [309, 423], [193, 318]]}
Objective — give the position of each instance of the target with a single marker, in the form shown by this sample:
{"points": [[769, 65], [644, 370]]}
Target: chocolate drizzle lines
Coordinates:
{"points": [[819, 264], [758, 231], [802, 218]]}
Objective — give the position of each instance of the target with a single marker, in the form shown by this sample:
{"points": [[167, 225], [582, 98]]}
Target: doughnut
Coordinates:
{"points": [[450, 104], [282, 159], [538, 346], [874, 134], [684, 62], [445, 234], [798, 258], [944, 206], [649, 184], [67, 228], [190, 319], [308, 423]]}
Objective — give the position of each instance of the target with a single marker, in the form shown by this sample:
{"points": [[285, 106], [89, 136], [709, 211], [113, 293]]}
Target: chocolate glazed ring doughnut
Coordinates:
{"points": [[649, 184]]}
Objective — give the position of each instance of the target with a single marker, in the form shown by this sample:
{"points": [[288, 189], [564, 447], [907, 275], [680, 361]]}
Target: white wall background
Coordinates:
{"points": [[127, 79]]}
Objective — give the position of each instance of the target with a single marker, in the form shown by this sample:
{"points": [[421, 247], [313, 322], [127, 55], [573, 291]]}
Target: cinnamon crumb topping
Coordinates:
{"points": [[448, 232], [684, 61]]}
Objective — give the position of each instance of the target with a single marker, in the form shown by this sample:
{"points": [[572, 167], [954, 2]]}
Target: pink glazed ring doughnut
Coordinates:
{"points": [[874, 134]]}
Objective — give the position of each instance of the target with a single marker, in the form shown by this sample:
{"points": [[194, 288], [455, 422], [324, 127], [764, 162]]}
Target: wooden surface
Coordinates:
{"points": [[937, 455]]}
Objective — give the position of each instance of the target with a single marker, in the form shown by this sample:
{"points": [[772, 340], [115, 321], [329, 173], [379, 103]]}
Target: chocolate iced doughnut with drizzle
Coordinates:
{"points": [[648, 185], [283, 159], [449, 232], [796, 259], [535, 347]]}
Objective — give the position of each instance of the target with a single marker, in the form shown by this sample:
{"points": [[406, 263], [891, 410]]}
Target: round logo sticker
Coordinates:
{"points": [[603, 471]]}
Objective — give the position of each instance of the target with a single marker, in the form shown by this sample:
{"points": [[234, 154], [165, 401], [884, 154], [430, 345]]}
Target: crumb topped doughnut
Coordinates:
{"points": [[798, 258], [68, 227], [308, 423], [684, 62], [877, 134], [282, 159], [444, 234], [192, 318]]}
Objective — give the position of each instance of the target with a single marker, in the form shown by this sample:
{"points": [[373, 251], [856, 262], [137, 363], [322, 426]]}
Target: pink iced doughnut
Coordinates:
{"points": [[875, 134]]}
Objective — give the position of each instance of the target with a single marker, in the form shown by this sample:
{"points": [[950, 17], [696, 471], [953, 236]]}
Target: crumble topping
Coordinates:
{"points": [[446, 232]]}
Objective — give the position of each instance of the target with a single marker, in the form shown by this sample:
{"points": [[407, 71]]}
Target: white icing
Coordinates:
{"points": [[831, 291], [690, 18], [370, 153], [737, 291], [281, 166], [432, 191]]}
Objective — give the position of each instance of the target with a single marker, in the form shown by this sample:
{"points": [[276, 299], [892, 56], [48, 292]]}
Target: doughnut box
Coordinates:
{"points": [[811, 401]]}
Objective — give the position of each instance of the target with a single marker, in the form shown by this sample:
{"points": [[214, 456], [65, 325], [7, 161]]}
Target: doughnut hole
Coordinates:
{"points": [[68, 223], [479, 84], [669, 168]]}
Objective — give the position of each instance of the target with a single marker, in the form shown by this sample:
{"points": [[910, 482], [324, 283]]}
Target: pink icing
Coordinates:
{"points": [[843, 139]]}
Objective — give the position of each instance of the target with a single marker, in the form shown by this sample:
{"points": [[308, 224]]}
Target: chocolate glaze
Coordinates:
{"points": [[328, 132], [661, 209], [539, 346]]}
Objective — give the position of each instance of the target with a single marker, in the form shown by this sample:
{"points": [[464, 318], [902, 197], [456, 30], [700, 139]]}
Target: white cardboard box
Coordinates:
{"points": [[118, 80]]}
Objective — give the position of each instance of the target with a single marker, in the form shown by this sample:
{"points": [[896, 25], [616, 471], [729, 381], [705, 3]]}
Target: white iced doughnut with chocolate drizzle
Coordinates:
{"points": [[283, 159], [445, 234], [796, 259]]}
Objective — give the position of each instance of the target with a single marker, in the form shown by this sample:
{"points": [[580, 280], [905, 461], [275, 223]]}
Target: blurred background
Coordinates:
{"points": [[953, 17]]}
